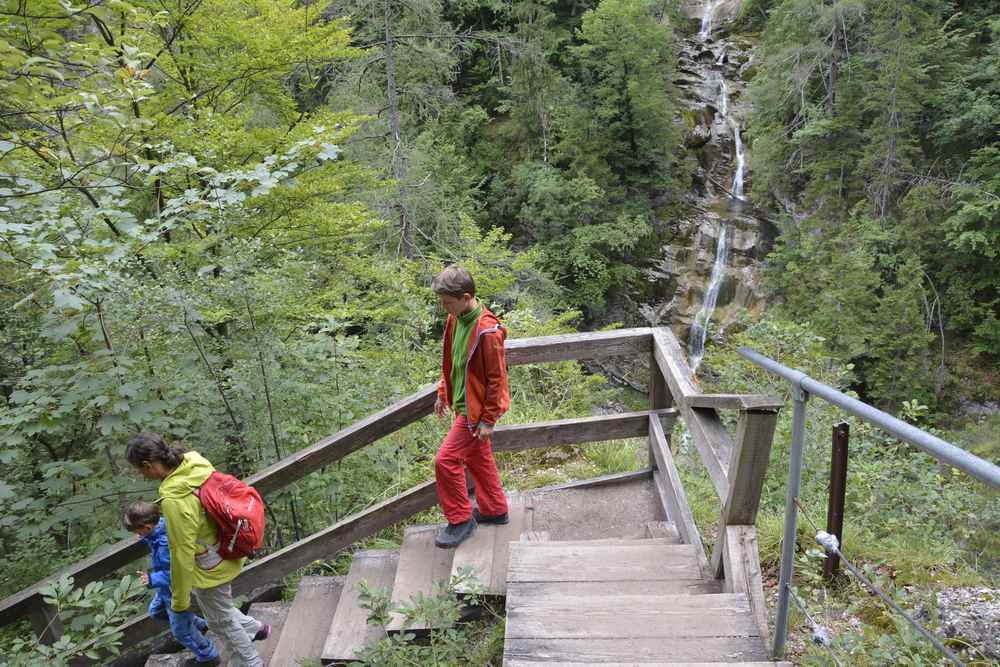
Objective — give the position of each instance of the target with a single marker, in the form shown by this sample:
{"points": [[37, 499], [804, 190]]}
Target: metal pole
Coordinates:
{"points": [[838, 490], [791, 519]]}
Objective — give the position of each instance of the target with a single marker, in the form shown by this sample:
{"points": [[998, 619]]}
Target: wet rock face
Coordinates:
{"points": [[711, 79]]}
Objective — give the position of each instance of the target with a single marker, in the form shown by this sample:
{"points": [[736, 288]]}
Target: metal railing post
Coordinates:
{"points": [[799, 396]]}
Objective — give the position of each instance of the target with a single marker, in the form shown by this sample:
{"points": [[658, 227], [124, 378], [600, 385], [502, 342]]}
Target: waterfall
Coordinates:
{"points": [[723, 97], [738, 176], [706, 20], [699, 328]]}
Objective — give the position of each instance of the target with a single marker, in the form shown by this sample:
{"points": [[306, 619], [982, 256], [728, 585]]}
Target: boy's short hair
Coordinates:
{"points": [[454, 281], [140, 513]]}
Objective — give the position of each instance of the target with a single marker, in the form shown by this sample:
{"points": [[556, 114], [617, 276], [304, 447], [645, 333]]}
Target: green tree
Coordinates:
{"points": [[622, 132]]}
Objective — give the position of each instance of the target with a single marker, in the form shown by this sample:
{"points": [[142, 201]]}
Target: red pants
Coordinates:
{"points": [[462, 447]]}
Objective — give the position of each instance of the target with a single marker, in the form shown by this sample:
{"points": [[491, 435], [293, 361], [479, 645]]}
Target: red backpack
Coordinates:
{"points": [[238, 511]]}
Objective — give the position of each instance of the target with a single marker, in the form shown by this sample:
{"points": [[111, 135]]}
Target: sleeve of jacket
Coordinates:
{"points": [[160, 578], [495, 365], [182, 533]]}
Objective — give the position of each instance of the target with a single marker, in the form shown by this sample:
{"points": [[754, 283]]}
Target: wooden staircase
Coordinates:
{"points": [[639, 601], [611, 601]]}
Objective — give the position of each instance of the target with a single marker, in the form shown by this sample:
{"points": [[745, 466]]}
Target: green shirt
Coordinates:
{"points": [[465, 324]]}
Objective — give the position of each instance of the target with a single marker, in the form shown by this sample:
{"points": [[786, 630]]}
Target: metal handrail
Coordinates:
{"points": [[802, 387]]}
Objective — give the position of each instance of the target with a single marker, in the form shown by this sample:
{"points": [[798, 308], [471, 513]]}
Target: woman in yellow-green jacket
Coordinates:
{"points": [[195, 564]]}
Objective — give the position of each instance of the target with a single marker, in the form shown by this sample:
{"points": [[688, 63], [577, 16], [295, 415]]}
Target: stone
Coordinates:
{"points": [[972, 614]]}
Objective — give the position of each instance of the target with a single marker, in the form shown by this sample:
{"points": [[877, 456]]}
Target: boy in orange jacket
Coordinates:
{"points": [[474, 387]]}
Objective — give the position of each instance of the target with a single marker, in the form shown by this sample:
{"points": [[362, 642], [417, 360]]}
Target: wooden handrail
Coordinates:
{"points": [[737, 482], [27, 602], [707, 431]]}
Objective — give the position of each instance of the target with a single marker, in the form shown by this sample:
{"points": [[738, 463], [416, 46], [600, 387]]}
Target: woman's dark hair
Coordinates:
{"points": [[150, 447], [140, 513]]}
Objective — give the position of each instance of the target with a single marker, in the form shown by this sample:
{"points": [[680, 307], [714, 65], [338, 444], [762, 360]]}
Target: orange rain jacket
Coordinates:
{"points": [[486, 394]]}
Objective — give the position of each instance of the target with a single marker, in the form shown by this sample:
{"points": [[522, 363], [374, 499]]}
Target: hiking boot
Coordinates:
{"points": [[191, 662], [497, 519], [263, 633], [454, 534]]}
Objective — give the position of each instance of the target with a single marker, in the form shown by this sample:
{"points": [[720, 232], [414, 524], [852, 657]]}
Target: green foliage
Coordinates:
{"points": [[624, 67], [89, 617], [448, 642], [885, 123]]}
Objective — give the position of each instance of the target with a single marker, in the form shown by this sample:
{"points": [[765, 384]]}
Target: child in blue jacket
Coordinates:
{"points": [[144, 520]]}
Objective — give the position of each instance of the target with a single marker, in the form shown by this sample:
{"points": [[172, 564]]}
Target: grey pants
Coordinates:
{"points": [[234, 627]]}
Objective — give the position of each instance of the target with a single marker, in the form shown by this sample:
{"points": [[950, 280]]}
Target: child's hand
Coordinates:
{"points": [[484, 431], [440, 408], [143, 577]]}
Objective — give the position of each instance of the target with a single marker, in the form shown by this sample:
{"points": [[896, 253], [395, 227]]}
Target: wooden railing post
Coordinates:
{"points": [[754, 435], [45, 621], [659, 398]]}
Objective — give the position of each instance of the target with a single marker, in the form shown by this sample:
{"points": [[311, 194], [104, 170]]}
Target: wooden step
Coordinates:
{"points": [[632, 616], [636, 651], [518, 590], [535, 536], [611, 541], [274, 613], [531, 663], [308, 621], [663, 530], [421, 566], [639, 628], [349, 632], [582, 561], [486, 551]]}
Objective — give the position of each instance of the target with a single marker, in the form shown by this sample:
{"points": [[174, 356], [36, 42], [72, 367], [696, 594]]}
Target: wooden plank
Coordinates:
{"points": [[275, 614], [603, 480], [551, 561], [615, 541], [349, 631], [327, 542], [421, 566], [673, 365], [743, 574], [517, 437], [535, 536], [659, 395], [308, 621], [590, 651], [583, 345], [755, 434], [486, 551], [671, 491], [714, 445], [707, 431], [632, 616], [560, 663], [664, 530], [736, 401], [746, 479], [518, 591]]}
